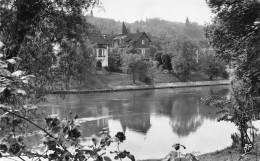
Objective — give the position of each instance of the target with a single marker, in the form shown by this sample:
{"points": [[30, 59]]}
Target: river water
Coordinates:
{"points": [[152, 120]]}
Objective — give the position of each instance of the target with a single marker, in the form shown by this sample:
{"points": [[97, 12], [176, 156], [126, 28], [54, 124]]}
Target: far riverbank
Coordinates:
{"points": [[144, 87]]}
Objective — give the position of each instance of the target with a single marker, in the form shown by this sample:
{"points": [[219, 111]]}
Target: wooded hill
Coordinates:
{"points": [[155, 27]]}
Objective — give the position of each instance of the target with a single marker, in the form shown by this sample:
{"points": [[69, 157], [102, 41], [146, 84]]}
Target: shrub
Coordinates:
{"points": [[114, 61], [166, 61], [158, 57], [139, 69]]}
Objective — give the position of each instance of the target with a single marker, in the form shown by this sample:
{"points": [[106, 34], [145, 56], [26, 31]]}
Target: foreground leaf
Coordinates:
{"points": [[3, 64], [5, 73], [18, 73]]}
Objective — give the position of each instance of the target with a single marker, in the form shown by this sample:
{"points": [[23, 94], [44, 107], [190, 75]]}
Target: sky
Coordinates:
{"points": [[170, 10]]}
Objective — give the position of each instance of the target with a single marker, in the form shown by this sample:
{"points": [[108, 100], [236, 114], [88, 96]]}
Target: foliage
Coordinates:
{"points": [[234, 35], [73, 64], [114, 61], [183, 61], [166, 61], [154, 26], [61, 138], [177, 155], [135, 65], [235, 140], [212, 66], [153, 49], [241, 109], [33, 29], [158, 57]]}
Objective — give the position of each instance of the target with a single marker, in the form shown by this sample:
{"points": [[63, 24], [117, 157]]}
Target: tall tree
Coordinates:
{"points": [[32, 30], [187, 22], [124, 29], [234, 35], [183, 61]]}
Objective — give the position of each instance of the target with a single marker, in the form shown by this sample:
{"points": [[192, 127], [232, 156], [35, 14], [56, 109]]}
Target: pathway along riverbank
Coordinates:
{"points": [[144, 87]]}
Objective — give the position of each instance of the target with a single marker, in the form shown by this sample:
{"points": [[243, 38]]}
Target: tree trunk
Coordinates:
{"points": [[242, 139], [133, 78]]}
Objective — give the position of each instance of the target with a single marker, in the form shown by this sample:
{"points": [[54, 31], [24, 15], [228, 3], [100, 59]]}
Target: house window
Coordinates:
{"points": [[143, 42], [143, 51], [100, 53]]}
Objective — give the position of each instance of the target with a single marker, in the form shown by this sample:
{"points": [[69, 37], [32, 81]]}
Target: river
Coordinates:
{"points": [[152, 120]]}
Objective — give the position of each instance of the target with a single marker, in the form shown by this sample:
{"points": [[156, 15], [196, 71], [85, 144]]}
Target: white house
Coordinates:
{"points": [[100, 47]]}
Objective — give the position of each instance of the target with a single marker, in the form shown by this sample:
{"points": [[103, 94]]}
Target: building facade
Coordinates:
{"points": [[100, 48], [139, 41]]}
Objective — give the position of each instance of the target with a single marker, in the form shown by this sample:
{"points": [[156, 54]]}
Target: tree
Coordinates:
{"points": [[32, 29], [114, 61], [241, 109], [166, 61], [183, 61], [73, 65], [135, 65], [234, 35], [187, 22], [153, 49], [158, 57], [212, 66]]}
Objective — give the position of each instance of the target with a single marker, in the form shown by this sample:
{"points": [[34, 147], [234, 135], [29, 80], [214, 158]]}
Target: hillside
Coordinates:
{"points": [[155, 27]]}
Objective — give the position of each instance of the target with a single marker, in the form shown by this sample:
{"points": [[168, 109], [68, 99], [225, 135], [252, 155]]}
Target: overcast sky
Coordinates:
{"points": [[171, 10]]}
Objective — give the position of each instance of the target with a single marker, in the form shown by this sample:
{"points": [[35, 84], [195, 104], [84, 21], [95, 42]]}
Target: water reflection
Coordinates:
{"points": [[149, 118]]}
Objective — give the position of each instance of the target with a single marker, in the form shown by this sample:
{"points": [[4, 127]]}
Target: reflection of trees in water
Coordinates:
{"points": [[83, 110], [136, 122], [219, 92], [186, 110], [93, 127], [185, 116], [133, 108], [133, 113]]}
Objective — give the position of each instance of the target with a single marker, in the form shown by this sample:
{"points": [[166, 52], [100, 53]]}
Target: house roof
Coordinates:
{"points": [[99, 40], [131, 38]]}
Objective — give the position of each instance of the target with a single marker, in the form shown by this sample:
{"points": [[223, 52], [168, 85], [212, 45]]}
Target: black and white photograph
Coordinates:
{"points": [[129, 80]]}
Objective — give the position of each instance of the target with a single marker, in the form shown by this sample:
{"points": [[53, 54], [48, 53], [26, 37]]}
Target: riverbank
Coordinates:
{"points": [[145, 87], [227, 154]]}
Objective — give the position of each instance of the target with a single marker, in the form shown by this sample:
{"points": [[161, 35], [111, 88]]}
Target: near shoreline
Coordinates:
{"points": [[145, 87]]}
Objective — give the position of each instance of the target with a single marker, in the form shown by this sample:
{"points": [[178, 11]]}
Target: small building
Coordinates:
{"points": [[103, 44], [139, 41], [100, 47]]}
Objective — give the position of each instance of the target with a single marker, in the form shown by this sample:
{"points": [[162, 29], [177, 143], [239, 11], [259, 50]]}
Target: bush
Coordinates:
{"points": [[139, 69], [225, 75], [166, 61], [158, 57], [114, 62]]}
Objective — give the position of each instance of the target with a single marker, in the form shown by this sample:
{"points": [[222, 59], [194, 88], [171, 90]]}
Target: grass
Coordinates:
{"points": [[109, 80]]}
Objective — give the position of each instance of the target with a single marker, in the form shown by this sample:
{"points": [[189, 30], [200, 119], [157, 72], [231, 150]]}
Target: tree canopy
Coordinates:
{"points": [[33, 29], [23, 20], [234, 35]]}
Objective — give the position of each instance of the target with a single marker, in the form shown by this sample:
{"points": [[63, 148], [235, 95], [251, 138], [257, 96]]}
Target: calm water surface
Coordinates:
{"points": [[153, 120]]}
